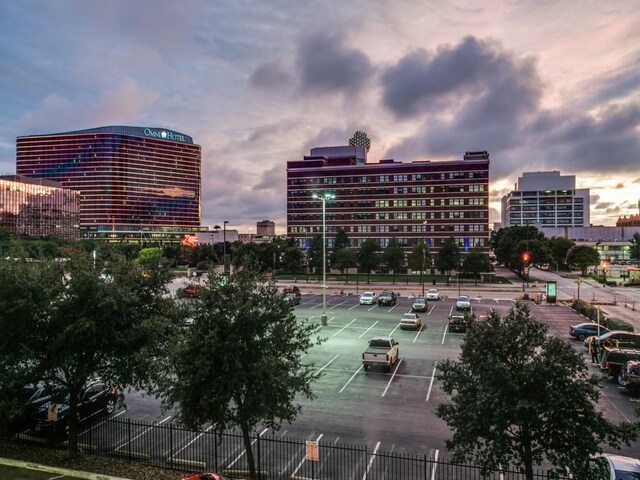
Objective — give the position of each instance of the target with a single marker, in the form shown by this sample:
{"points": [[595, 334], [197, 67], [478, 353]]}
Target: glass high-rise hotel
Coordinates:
{"points": [[33, 207], [413, 202], [135, 183]]}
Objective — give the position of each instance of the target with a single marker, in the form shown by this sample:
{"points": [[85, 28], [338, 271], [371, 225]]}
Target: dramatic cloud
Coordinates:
{"points": [[327, 65], [478, 76], [603, 205], [270, 76]]}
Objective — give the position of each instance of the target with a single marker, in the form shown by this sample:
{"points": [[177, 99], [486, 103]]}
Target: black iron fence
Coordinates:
{"points": [[276, 457]]}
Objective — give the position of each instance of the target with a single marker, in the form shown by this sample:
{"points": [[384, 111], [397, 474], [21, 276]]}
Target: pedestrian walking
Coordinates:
{"points": [[593, 349]]}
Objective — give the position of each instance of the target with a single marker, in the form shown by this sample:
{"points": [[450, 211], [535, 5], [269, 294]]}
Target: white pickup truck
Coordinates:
{"points": [[382, 351]]}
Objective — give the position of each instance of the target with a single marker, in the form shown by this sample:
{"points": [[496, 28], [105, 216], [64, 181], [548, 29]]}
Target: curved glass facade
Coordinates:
{"points": [[135, 183], [39, 208]]}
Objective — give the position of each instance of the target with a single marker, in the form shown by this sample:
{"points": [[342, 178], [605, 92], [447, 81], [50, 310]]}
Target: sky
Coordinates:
{"points": [[541, 85]]}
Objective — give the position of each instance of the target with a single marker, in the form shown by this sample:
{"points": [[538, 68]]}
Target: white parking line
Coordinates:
{"points": [[344, 326], [392, 308], [304, 458], [194, 440], [242, 454], [356, 305], [451, 311], [394, 329], [372, 308], [431, 382], [373, 457], [429, 312], [338, 304], [352, 377], [445, 333], [416, 337], [434, 465], [328, 363], [142, 433], [391, 379], [363, 333]]}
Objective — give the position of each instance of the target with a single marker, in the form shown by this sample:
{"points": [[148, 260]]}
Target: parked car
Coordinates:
{"points": [[630, 377], [433, 294], [33, 397], [419, 305], [619, 339], [613, 359], [291, 289], [410, 320], [387, 298], [463, 303], [483, 319], [587, 329], [382, 351], [618, 467], [367, 298], [293, 298], [96, 397], [457, 322], [192, 291]]}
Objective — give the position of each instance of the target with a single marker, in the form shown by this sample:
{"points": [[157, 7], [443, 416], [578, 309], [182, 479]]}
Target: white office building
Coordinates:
{"points": [[546, 199]]}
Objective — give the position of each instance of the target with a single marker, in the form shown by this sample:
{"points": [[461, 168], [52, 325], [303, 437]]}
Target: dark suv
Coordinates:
{"points": [[387, 298], [96, 397], [619, 339]]}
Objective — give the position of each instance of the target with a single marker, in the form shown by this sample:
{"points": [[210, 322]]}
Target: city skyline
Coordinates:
{"points": [[537, 84]]}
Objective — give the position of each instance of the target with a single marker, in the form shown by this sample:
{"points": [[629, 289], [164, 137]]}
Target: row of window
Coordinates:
{"points": [[387, 178], [392, 228], [457, 214], [476, 188], [404, 242]]}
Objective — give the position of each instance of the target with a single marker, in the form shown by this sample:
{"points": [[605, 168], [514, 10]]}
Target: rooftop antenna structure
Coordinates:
{"points": [[360, 139]]}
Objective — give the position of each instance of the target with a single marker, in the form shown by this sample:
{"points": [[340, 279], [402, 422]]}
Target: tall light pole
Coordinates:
{"points": [[424, 253], [224, 246], [324, 197]]}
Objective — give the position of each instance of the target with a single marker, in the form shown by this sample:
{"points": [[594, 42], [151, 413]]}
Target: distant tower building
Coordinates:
{"points": [[546, 199], [135, 183], [266, 227], [33, 207], [630, 221]]}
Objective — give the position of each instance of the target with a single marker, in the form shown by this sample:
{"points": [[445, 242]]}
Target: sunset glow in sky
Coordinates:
{"points": [[541, 85]]}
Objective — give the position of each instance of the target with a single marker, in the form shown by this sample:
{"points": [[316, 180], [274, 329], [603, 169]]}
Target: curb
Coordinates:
{"points": [[57, 470]]}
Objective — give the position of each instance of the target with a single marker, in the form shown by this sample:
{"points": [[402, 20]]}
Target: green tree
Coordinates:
{"points": [[315, 254], [448, 256], [149, 256], [634, 251], [292, 259], [559, 247], [345, 258], [475, 263], [75, 326], [340, 242], [393, 256], [368, 256], [247, 255], [583, 257], [245, 350], [508, 244], [520, 397], [420, 258]]}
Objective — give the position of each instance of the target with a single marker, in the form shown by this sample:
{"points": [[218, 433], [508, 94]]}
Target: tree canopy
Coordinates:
{"points": [[635, 247], [475, 263], [393, 256], [559, 247], [244, 351], [448, 256], [583, 257], [315, 254], [520, 397], [509, 243], [368, 256], [79, 322]]}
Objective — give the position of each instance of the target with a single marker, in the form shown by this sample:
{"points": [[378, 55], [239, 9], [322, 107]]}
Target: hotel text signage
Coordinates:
{"points": [[164, 135]]}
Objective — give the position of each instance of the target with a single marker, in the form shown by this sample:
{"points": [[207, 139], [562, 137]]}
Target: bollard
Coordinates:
{"points": [[323, 320]]}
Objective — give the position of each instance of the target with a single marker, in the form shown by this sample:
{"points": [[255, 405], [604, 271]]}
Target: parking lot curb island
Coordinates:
{"points": [[57, 470]]}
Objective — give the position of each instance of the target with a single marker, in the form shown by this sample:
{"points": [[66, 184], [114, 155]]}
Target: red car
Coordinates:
{"points": [[192, 291], [206, 476]]}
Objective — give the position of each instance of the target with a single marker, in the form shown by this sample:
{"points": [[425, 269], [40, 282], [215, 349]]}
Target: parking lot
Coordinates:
{"points": [[386, 411]]}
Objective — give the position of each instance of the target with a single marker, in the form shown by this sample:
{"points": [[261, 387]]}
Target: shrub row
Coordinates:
{"points": [[591, 313]]}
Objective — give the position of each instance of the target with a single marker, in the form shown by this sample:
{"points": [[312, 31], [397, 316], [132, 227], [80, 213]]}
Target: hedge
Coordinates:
{"points": [[591, 313]]}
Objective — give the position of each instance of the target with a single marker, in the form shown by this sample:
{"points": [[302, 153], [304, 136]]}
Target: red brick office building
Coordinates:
{"points": [[421, 201]]}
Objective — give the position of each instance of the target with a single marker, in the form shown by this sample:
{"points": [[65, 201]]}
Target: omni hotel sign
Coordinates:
{"points": [[164, 134]]}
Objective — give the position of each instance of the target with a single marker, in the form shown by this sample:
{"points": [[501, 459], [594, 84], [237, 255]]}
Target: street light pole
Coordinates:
{"points": [[324, 197], [224, 246]]}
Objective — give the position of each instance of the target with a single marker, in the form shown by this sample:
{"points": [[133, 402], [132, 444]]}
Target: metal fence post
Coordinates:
{"points": [[129, 437], [171, 444], [258, 466]]}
